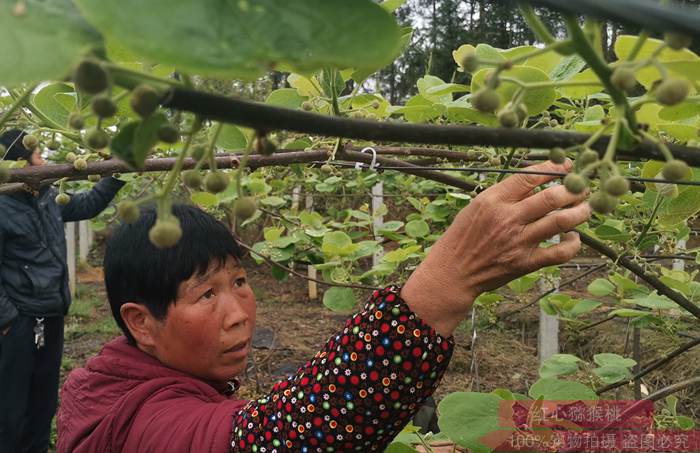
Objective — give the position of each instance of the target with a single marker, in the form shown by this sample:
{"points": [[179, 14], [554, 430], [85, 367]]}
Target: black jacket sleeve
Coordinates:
{"points": [[8, 312], [87, 205]]}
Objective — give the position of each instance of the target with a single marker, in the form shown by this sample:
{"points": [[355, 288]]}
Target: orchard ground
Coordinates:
{"points": [[291, 329]]}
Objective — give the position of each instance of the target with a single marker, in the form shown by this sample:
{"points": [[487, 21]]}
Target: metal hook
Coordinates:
{"points": [[373, 165]]}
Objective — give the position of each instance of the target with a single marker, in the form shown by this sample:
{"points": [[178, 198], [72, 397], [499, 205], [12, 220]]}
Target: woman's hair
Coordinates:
{"points": [[136, 271], [14, 148]]}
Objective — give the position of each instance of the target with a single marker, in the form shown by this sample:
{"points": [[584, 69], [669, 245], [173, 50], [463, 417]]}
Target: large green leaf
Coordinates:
{"points": [[625, 43], [339, 299], [608, 359], [337, 243], [559, 365], [557, 390], [246, 38], [134, 141], [43, 43], [231, 138], [467, 417], [285, 97], [56, 101]]}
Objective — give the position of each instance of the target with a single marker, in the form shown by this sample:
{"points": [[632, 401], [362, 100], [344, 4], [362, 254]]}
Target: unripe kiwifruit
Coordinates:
{"points": [[327, 168], [216, 181], [675, 170], [508, 118], [53, 145], [197, 152], [76, 121], [486, 100], [602, 203], [616, 186], [374, 104], [264, 146], [672, 91], [470, 62], [192, 179], [97, 138], [587, 157], [80, 164], [623, 79], [103, 106], [144, 100], [677, 41], [128, 211], [70, 157], [575, 184], [90, 77], [94, 178], [62, 199], [165, 233], [244, 208], [521, 111], [168, 133], [30, 142], [307, 106], [4, 175], [557, 155]]}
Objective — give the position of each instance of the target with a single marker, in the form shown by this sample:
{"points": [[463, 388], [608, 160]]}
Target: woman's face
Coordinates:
{"points": [[208, 331], [36, 160]]}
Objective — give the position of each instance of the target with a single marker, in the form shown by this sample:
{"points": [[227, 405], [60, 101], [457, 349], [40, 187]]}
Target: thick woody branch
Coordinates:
{"points": [[269, 118], [651, 279]]}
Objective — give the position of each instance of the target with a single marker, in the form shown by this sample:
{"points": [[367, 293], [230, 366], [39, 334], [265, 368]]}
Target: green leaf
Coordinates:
{"points": [[601, 287], [417, 228], [582, 92], [391, 226], [274, 202], [611, 374], [339, 299], [536, 100], [56, 101], [554, 390], [467, 417], [629, 313], [608, 359], [337, 243], [398, 447], [204, 199], [653, 301], [682, 111], [567, 68], [392, 5], [682, 132], [231, 138], [685, 423], [625, 43], [42, 44], [582, 307], [247, 38], [559, 365], [524, 283], [285, 97], [146, 137]]}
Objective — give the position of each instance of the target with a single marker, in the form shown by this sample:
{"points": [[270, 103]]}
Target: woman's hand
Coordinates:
{"points": [[494, 240]]}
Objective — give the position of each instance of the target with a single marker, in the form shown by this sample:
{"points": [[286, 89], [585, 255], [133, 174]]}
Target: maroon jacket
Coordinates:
{"points": [[356, 394], [125, 400]]}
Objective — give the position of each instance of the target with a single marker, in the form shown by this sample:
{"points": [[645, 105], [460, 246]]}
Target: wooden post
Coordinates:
{"points": [[296, 196], [679, 265], [70, 257], [377, 202], [311, 270], [548, 335], [83, 241]]}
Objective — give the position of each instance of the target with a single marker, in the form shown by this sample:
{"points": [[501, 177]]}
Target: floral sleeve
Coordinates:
{"points": [[357, 393]]}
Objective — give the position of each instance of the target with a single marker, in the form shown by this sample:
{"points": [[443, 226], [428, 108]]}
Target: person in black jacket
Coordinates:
{"points": [[34, 298]]}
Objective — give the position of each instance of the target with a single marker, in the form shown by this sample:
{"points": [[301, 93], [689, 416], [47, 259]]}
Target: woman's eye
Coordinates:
{"points": [[241, 282], [208, 295]]}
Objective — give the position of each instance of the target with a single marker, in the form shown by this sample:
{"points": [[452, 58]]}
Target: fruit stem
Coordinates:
{"points": [[551, 84], [172, 177], [536, 25], [614, 141], [19, 102], [668, 155], [600, 67], [141, 75], [242, 165], [645, 230], [212, 145], [507, 163]]}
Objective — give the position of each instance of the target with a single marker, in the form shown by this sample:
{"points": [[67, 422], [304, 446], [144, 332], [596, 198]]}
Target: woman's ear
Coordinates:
{"points": [[140, 322]]}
